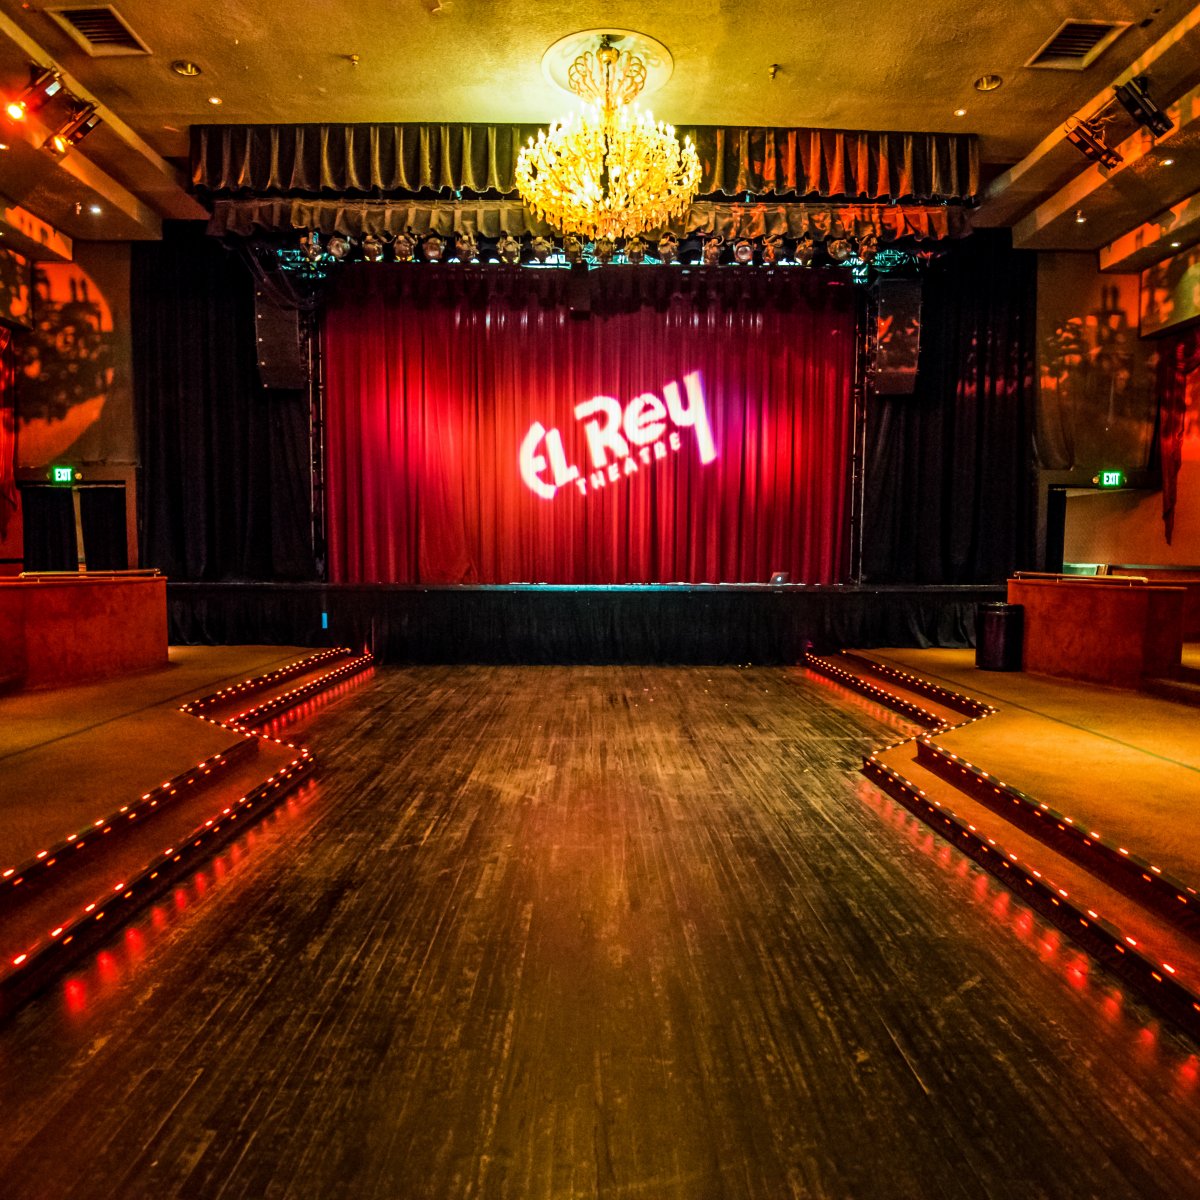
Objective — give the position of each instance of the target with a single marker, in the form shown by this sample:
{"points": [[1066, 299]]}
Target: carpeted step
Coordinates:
{"points": [[70, 896], [1144, 951], [932, 709]]}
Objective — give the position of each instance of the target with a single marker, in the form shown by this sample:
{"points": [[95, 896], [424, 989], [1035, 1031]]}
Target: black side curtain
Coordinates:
{"points": [[950, 481], [102, 518], [48, 516], [225, 461], [367, 160]]}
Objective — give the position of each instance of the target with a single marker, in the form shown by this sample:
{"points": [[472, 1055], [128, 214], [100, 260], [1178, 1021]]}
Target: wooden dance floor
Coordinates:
{"points": [[543, 933]]}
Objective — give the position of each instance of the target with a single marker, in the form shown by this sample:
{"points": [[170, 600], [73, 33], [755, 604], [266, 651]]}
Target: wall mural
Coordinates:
{"points": [[74, 399], [1097, 395], [14, 289], [1171, 293]]}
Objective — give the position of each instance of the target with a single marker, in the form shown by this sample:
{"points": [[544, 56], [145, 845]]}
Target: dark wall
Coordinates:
{"points": [[950, 484], [225, 492]]}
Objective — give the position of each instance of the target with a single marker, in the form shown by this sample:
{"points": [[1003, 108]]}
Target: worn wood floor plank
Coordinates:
{"points": [[596, 932]]}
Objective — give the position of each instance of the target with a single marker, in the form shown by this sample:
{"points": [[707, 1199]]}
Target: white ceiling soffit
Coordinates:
{"points": [[1055, 199], [1097, 205], [115, 170], [1165, 234]]}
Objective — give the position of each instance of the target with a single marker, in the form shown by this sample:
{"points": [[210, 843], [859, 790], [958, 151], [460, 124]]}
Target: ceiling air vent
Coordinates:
{"points": [[101, 31], [1075, 45]]}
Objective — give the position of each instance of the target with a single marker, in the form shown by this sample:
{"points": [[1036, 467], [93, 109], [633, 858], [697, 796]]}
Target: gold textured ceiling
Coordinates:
{"points": [[852, 64]]}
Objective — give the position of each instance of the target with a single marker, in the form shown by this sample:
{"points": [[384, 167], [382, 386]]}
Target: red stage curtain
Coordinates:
{"points": [[428, 406], [8, 432]]}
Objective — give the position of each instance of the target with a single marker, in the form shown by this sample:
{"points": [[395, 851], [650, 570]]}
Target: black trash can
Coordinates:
{"points": [[999, 636]]}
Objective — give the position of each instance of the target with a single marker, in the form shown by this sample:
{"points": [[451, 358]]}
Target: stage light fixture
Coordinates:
{"points": [[78, 125], [838, 249], [44, 85], [1088, 138], [1137, 103], [310, 246]]}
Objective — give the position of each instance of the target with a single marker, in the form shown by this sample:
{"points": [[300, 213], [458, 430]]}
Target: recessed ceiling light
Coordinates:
{"points": [[1168, 162], [95, 209], [1080, 219], [960, 112], [988, 83], [3, 145], [214, 99], [1176, 245], [184, 66]]}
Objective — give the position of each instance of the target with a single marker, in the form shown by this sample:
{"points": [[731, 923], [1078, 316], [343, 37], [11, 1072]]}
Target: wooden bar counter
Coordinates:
{"points": [[63, 629], [1111, 631]]}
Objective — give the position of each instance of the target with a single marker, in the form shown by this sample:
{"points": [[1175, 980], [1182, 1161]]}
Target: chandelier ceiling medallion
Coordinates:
{"points": [[612, 171]]}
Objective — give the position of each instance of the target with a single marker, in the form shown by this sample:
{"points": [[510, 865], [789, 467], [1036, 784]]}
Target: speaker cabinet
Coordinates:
{"points": [[898, 336], [281, 359]]}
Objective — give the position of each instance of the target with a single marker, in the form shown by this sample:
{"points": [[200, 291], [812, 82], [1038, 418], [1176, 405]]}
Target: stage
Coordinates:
{"points": [[538, 623]]}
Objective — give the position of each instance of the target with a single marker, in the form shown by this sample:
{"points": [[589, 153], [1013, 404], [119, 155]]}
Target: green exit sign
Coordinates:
{"points": [[62, 474], [1111, 479]]}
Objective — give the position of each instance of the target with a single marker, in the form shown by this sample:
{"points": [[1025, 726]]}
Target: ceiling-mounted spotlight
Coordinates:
{"points": [[78, 125], [1088, 138], [1080, 218], [44, 85], [1137, 103]]}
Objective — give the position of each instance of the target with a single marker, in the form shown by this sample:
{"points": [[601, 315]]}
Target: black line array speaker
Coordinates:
{"points": [[898, 336], [579, 292], [281, 362]]}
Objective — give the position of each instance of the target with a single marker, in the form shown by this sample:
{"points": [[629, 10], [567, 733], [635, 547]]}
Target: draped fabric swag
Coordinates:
{"points": [[490, 218], [432, 395], [373, 160], [1178, 374]]}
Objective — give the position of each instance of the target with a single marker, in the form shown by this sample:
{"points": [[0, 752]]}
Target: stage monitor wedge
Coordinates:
{"points": [[281, 358]]}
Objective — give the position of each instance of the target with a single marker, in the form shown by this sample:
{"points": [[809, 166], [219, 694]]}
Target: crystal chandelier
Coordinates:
{"points": [[612, 171]]}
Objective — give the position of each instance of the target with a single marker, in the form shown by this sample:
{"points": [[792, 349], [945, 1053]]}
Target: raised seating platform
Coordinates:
{"points": [[1082, 800], [110, 792], [62, 629]]}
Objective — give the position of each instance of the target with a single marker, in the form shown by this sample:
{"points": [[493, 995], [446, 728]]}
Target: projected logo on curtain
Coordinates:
{"points": [[620, 440], [481, 437]]}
